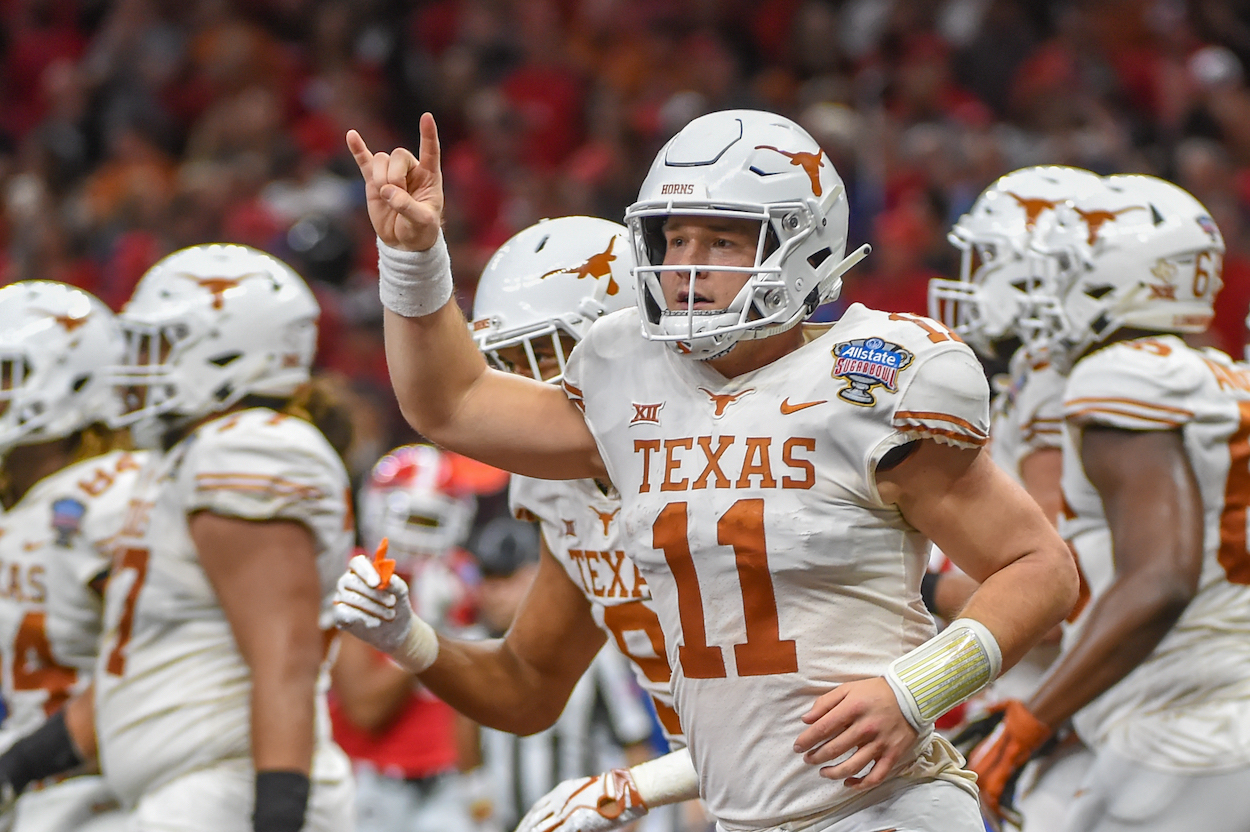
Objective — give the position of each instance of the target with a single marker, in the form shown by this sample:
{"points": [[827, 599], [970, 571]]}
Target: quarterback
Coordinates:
{"points": [[778, 494]]}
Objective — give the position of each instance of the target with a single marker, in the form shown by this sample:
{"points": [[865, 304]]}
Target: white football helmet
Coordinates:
{"points": [[1140, 253], [423, 500], [983, 306], [56, 345], [210, 324], [743, 164], [549, 283]]}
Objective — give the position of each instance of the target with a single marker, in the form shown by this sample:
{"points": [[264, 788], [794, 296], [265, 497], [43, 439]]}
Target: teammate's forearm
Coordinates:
{"points": [[283, 715], [1126, 623], [487, 682]]}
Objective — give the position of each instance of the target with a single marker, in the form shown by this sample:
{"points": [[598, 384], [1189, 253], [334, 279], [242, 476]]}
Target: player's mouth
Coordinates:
{"points": [[701, 301]]}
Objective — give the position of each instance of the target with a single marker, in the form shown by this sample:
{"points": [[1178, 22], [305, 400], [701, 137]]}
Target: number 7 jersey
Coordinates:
{"points": [[750, 507]]}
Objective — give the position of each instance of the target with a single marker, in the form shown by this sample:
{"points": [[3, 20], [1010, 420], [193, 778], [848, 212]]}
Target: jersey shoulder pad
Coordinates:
{"points": [[258, 464], [1144, 384], [615, 337]]}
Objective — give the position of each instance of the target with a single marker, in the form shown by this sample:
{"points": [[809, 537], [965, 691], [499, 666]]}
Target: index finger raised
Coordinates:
{"points": [[430, 150]]}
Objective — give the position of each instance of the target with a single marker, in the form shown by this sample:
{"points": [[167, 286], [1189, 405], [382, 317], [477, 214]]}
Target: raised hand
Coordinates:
{"points": [[404, 192]]}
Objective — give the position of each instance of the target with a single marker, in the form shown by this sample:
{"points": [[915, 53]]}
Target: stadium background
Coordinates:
{"points": [[129, 129]]}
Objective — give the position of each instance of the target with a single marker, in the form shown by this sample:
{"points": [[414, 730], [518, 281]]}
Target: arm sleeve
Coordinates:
{"points": [[1134, 386], [946, 400]]}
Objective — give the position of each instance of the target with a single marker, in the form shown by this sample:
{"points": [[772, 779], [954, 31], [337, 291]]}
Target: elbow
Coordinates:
{"points": [[1067, 581], [537, 717]]}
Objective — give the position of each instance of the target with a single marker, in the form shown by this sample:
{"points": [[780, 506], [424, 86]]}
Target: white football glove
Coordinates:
{"points": [[383, 617], [587, 804]]}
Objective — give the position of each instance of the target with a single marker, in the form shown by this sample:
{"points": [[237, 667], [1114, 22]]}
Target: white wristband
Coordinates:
{"points": [[420, 647], [947, 669], [667, 779], [414, 283]]}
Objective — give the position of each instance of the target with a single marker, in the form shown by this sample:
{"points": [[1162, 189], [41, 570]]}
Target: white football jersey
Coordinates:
{"points": [[582, 527], [750, 506], [172, 690], [1027, 415], [54, 547], [1187, 706]]}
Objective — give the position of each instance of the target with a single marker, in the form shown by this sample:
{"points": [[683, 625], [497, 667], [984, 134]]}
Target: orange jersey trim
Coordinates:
{"points": [[1096, 400], [1125, 414], [922, 415]]}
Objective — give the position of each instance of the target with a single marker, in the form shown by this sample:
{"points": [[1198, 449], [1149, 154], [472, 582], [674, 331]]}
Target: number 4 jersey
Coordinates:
{"points": [[750, 506], [1186, 707], [55, 548]]}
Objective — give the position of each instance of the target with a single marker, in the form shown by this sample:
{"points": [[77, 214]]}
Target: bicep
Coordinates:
{"points": [[1150, 497], [264, 574], [526, 427], [958, 498]]}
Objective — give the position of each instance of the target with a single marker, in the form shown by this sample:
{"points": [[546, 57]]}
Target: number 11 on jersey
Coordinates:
{"points": [[763, 653]]}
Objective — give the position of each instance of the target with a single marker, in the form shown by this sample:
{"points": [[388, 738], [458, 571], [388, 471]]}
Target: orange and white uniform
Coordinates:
{"points": [[582, 527], [1027, 415], [55, 550], [172, 689], [1186, 707], [751, 510]]}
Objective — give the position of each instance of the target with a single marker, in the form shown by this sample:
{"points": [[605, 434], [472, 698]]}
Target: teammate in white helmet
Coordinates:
{"points": [[778, 493], [1154, 670], [990, 307], [66, 479], [209, 684], [536, 299]]}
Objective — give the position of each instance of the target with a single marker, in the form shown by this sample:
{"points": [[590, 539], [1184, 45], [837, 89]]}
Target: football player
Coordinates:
{"points": [[536, 298], [66, 479], [778, 494], [991, 307], [210, 683], [406, 744], [1154, 670]]}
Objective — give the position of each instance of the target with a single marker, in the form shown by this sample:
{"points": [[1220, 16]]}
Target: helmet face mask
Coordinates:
{"points": [[56, 342], [1140, 254], [543, 289], [742, 165], [992, 297], [208, 325]]}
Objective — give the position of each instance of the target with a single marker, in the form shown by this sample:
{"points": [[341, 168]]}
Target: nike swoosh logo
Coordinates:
{"points": [[787, 408]]}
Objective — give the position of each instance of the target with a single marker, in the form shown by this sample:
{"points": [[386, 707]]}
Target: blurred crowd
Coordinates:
{"points": [[131, 128]]}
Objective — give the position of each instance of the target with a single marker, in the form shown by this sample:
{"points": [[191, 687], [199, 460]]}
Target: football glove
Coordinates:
{"points": [[1010, 736], [587, 804], [382, 615]]}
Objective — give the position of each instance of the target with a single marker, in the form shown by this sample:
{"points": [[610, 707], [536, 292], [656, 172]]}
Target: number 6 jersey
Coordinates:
{"points": [[750, 506], [1186, 707]]}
